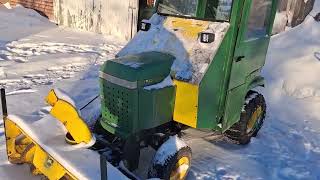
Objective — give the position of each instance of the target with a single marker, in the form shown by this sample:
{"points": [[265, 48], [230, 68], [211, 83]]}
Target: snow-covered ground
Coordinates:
{"points": [[34, 51], [36, 55]]}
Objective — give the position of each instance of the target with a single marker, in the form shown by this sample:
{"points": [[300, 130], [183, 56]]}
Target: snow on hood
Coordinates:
{"points": [[179, 37], [165, 83]]}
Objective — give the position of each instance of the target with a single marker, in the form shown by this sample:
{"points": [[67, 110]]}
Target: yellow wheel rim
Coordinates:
{"points": [[254, 118], [181, 169]]}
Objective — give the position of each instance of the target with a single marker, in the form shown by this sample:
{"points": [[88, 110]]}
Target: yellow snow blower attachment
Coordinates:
{"points": [[41, 142]]}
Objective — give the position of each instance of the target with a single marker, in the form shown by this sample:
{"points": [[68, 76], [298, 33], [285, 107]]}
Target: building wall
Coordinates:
{"points": [[119, 17], [291, 13], [44, 7], [111, 17]]}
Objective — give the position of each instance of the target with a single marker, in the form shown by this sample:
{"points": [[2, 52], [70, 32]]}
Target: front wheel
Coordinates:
{"points": [[172, 161], [251, 119]]}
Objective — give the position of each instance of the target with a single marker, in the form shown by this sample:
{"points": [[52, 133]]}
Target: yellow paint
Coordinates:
{"points": [[23, 149], [186, 103], [70, 118], [189, 28], [181, 169], [47, 165], [11, 133], [52, 98]]}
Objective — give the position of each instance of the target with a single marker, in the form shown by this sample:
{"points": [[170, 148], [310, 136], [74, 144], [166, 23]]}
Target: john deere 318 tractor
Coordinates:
{"points": [[194, 64]]}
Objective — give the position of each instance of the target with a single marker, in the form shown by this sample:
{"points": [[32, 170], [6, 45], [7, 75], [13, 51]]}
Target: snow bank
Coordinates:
{"points": [[18, 18], [299, 75], [192, 56]]}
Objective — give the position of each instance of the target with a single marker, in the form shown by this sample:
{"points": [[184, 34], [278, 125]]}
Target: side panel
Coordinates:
{"points": [[186, 104], [255, 54], [234, 104], [236, 97], [214, 85], [155, 107]]}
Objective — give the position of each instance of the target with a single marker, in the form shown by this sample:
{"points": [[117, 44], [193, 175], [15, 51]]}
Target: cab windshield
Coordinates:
{"points": [[218, 10]]}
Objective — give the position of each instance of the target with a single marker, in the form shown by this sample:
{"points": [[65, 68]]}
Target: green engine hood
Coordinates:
{"points": [[144, 68]]}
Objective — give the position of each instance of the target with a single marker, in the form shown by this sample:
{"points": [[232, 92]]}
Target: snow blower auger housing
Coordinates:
{"points": [[42, 142], [194, 64]]}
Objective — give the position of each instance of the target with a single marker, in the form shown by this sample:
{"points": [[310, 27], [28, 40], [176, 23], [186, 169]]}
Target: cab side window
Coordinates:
{"points": [[259, 19]]}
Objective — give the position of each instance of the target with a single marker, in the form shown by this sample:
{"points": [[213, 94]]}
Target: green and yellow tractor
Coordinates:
{"points": [[194, 64]]}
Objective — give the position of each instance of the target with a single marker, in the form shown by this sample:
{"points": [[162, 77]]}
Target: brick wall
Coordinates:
{"points": [[3, 1], [44, 7]]}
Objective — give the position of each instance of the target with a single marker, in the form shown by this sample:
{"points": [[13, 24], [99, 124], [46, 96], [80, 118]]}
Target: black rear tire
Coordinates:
{"points": [[251, 119]]}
